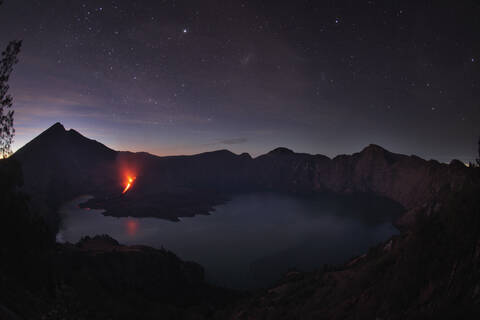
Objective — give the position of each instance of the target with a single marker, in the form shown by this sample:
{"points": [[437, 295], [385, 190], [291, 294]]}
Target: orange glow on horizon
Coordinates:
{"points": [[129, 184]]}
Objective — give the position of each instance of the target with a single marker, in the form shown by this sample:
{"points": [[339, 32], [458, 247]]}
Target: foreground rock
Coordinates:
{"points": [[98, 278]]}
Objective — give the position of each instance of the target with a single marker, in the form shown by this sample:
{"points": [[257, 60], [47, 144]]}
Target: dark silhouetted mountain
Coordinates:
{"points": [[61, 164], [281, 151], [58, 164]]}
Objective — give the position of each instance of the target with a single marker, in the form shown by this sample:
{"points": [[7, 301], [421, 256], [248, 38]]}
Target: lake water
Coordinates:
{"points": [[251, 240]]}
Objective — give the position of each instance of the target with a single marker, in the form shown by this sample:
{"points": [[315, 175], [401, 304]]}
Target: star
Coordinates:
{"points": [[300, 65]]}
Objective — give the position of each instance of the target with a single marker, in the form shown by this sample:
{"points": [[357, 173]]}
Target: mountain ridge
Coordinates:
{"points": [[68, 164]]}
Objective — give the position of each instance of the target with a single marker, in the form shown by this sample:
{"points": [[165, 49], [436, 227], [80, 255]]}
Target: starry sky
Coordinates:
{"points": [[182, 77]]}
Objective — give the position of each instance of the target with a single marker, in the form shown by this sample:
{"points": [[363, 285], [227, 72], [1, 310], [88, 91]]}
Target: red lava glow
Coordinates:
{"points": [[132, 227], [128, 184]]}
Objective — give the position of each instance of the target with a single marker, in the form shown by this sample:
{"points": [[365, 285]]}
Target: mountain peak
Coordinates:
{"points": [[246, 155], [58, 140], [374, 148], [57, 127], [58, 124], [281, 151]]}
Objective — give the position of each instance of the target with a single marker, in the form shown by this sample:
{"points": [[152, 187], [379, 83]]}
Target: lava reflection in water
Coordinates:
{"points": [[131, 227]]}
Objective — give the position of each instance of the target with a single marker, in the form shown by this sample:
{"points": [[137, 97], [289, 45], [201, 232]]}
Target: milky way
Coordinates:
{"points": [[181, 77]]}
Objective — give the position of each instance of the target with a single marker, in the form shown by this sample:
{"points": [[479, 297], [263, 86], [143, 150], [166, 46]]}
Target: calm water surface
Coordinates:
{"points": [[251, 240]]}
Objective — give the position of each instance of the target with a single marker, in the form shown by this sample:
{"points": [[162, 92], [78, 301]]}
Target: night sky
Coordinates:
{"points": [[182, 77]]}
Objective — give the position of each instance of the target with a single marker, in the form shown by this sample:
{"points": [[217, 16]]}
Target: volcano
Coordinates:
{"points": [[431, 265], [60, 164]]}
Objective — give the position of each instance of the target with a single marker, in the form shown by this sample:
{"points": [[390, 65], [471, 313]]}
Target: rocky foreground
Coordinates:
{"points": [[98, 278]]}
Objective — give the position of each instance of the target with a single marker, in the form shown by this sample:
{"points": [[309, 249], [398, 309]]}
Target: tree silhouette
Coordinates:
{"points": [[7, 131], [478, 159]]}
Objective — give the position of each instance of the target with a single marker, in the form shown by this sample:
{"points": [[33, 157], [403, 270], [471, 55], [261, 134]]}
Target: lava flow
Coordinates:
{"points": [[129, 184]]}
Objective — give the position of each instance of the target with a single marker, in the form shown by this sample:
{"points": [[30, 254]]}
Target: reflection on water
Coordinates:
{"points": [[131, 227], [254, 238]]}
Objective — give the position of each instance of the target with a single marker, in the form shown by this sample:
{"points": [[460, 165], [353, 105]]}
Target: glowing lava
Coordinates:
{"points": [[129, 184]]}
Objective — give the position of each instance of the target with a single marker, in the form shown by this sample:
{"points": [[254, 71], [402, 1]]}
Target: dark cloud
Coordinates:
{"points": [[234, 141]]}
